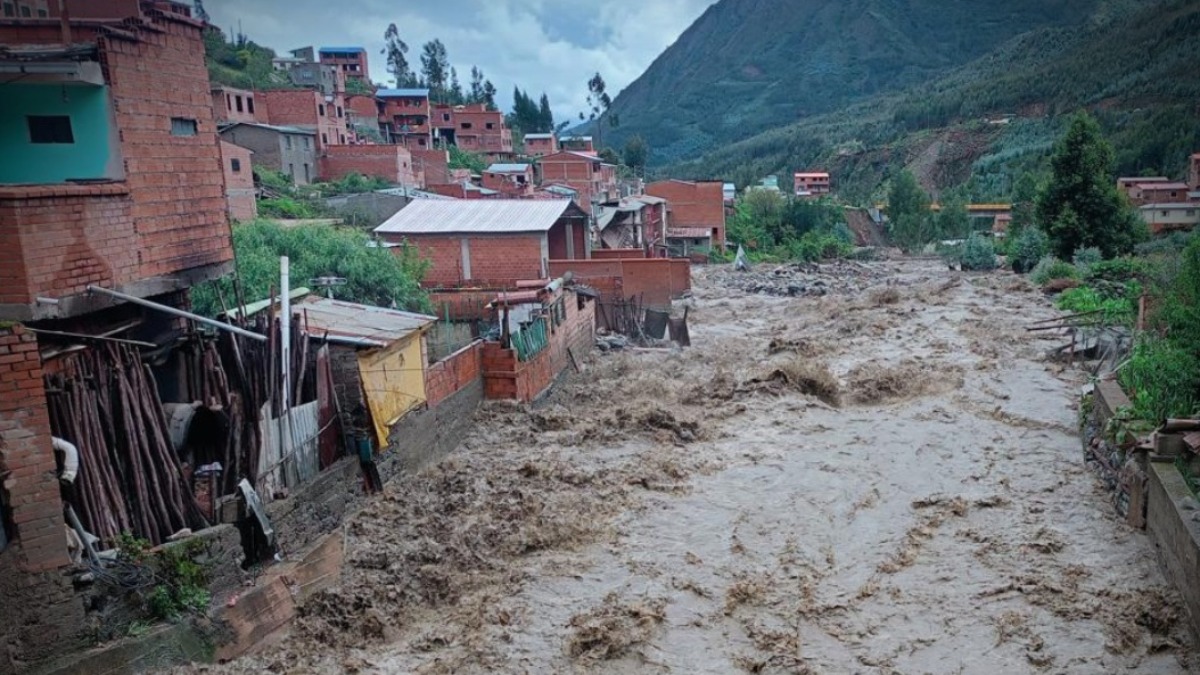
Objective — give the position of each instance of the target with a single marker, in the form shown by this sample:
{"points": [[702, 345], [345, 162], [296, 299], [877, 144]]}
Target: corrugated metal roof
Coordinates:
{"points": [[539, 137], [688, 233], [397, 93], [273, 127], [378, 325], [1164, 186], [411, 193], [501, 216], [322, 50], [1173, 206], [508, 168]]}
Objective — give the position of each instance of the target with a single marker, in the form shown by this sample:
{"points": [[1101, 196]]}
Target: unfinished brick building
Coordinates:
{"points": [[595, 181], [695, 210], [119, 185]]}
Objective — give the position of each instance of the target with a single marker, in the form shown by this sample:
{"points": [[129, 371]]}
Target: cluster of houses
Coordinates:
{"points": [[1166, 205]]}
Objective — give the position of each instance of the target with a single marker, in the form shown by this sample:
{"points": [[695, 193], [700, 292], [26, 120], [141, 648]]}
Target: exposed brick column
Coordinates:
{"points": [[25, 451]]}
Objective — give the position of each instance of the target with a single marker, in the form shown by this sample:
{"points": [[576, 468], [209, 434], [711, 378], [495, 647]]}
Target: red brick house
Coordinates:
{"points": [[309, 109], [1158, 193], [510, 180], [119, 185], [235, 105], [812, 183], [577, 144], [393, 163], [350, 60], [405, 117], [540, 145], [692, 206], [592, 178], [240, 200], [492, 242], [473, 128]]}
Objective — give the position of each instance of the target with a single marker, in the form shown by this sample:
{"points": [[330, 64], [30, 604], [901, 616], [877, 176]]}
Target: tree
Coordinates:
{"points": [[435, 68], [475, 90], [545, 116], [489, 94], [455, 92], [953, 221], [609, 156], [598, 102], [1081, 206], [395, 49], [1024, 201], [759, 214], [636, 152], [908, 210]]}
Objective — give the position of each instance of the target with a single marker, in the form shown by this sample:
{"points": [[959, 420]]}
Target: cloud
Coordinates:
{"points": [[550, 46]]}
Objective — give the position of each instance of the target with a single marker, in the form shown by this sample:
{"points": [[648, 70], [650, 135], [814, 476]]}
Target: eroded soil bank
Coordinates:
{"points": [[885, 479]]}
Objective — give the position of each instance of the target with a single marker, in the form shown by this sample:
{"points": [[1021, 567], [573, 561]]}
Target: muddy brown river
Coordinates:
{"points": [[886, 479]]}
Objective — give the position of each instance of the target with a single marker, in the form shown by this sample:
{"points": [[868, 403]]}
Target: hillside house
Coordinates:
{"points": [[112, 178], [510, 180], [540, 145], [362, 112], [492, 242], [473, 128], [288, 150], [352, 61], [309, 109], [1158, 192], [1169, 217], [235, 105], [693, 206], [594, 180], [1126, 184], [392, 163], [636, 222], [404, 117], [812, 183], [240, 201], [577, 144]]}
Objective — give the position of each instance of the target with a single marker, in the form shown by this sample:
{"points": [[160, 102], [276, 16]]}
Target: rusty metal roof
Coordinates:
{"points": [[370, 326], [489, 216]]}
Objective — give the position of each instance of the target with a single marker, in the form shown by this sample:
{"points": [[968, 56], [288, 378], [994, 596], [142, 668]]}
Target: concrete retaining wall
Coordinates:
{"points": [[1175, 534]]}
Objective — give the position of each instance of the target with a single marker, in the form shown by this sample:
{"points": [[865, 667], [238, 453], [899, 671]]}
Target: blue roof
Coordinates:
{"points": [[341, 49], [396, 93]]}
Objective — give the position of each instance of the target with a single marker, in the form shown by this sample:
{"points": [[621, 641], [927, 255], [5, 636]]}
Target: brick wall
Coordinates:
{"points": [[435, 164], [656, 280], [239, 182], [505, 377], [693, 204], [236, 105], [453, 373], [574, 170], [392, 163], [617, 253], [302, 107], [496, 261], [463, 305]]}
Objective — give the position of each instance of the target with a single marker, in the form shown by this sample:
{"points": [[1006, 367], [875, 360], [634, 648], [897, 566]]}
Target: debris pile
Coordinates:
{"points": [[803, 279], [608, 631]]}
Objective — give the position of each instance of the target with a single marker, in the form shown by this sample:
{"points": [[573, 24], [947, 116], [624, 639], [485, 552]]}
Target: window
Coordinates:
{"points": [[466, 125], [183, 126], [321, 109], [10, 9], [292, 171], [50, 129], [307, 178], [325, 138], [1164, 213], [307, 143], [339, 111], [250, 105], [25, 12], [490, 125], [342, 138], [228, 102], [236, 165], [287, 142], [445, 117], [421, 142], [42, 13], [238, 101]]}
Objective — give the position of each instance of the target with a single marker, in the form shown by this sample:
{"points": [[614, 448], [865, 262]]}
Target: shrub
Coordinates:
{"points": [[1086, 299], [1084, 258], [818, 246], [285, 207], [1027, 249], [978, 254], [1117, 270], [1049, 269], [1162, 379]]}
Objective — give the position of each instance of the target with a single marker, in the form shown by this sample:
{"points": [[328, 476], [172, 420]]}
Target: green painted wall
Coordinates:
{"points": [[25, 162]]}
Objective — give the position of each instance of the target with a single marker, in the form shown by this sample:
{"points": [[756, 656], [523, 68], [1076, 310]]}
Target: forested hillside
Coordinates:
{"points": [[1134, 66], [750, 65]]}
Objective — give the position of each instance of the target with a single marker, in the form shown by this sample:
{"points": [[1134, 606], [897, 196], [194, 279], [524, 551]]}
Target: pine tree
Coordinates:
{"points": [[435, 67], [1081, 206], [395, 49], [545, 116]]}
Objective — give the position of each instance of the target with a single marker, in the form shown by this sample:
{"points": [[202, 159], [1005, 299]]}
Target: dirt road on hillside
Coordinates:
{"points": [[882, 481]]}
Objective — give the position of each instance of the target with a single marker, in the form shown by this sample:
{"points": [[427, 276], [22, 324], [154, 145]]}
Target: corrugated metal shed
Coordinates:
{"points": [[371, 326], [496, 216]]}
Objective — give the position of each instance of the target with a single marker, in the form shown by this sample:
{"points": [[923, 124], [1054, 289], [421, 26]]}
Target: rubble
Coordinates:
{"points": [[803, 279]]}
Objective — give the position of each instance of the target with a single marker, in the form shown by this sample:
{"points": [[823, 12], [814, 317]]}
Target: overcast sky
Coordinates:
{"points": [[538, 45]]}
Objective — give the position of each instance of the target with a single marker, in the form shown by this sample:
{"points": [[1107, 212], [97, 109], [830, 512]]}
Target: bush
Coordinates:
{"points": [[285, 207], [1084, 258], [1049, 269], [1120, 310], [978, 254], [1171, 243], [1027, 249], [1117, 270], [1162, 380], [818, 246]]}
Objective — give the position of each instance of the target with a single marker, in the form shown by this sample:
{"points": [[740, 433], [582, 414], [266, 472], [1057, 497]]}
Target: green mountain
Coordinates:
{"points": [[1131, 64], [746, 66]]}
